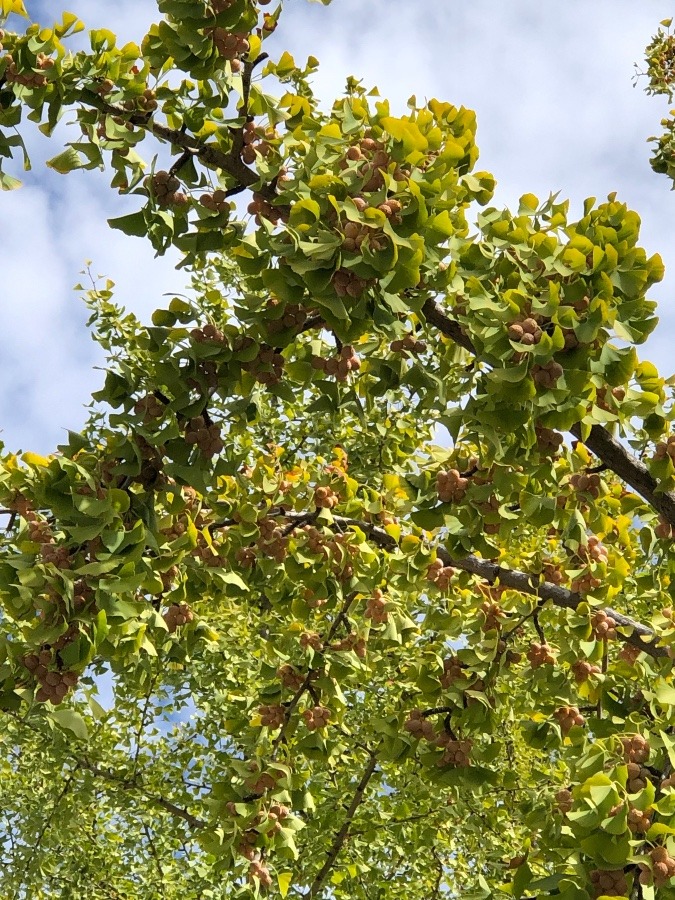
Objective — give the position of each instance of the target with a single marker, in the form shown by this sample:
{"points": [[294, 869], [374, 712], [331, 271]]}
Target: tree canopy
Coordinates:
{"points": [[370, 533]]}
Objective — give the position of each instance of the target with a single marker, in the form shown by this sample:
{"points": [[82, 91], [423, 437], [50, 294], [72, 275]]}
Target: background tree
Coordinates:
{"points": [[347, 661]]}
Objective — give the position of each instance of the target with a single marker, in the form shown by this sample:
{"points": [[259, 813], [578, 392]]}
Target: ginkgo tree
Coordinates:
{"points": [[348, 658]]}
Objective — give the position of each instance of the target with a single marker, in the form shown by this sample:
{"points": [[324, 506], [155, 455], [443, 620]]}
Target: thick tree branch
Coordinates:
{"points": [[447, 326], [600, 442], [634, 472], [343, 833], [640, 635]]}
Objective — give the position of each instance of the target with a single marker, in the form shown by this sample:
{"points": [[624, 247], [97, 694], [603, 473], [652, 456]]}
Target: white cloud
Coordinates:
{"points": [[551, 84]]}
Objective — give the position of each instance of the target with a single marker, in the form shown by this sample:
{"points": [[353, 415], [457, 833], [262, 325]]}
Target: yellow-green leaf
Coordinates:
{"points": [[284, 879]]}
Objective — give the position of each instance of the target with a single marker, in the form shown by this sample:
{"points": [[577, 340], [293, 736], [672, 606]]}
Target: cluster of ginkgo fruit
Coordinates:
{"points": [[451, 486], [267, 367], [294, 316], [164, 187], [341, 365], [440, 574], [546, 376], [215, 201], [549, 441], [150, 408], [608, 883], [660, 868], [408, 344], [53, 683], [587, 483], [347, 283], [376, 608], [582, 670], [603, 626], [176, 615], [639, 820], [371, 160], [256, 140], [290, 677], [540, 654], [339, 548], [40, 532], [568, 717], [666, 449], [27, 78], [260, 208], [525, 331], [353, 642], [316, 717], [205, 435], [231, 45], [272, 715], [456, 752]]}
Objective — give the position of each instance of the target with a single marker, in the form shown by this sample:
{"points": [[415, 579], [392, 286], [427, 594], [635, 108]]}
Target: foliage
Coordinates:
{"points": [[660, 57], [348, 659]]}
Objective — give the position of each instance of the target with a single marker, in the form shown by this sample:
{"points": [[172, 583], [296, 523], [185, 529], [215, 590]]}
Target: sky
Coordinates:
{"points": [[551, 84]]}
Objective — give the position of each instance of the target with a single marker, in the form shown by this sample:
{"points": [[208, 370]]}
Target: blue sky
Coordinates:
{"points": [[551, 84]]}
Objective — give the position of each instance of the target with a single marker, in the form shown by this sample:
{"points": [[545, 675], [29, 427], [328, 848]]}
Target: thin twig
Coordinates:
{"points": [[133, 784], [155, 856], [142, 722], [309, 677], [342, 834], [43, 830]]}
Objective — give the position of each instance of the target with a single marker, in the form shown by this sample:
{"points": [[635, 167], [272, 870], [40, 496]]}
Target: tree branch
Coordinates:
{"points": [[132, 784], [600, 442], [447, 326], [343, 833], [142, 721], [632, 470], [208, 154], [45, 825], [155, 856], [306, 684], [640, 636]]}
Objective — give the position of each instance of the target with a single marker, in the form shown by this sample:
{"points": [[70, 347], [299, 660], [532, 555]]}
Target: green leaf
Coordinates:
{"points": [[8, 182], [132, 224], [69, 720], [66, 161], [664, 693]]}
